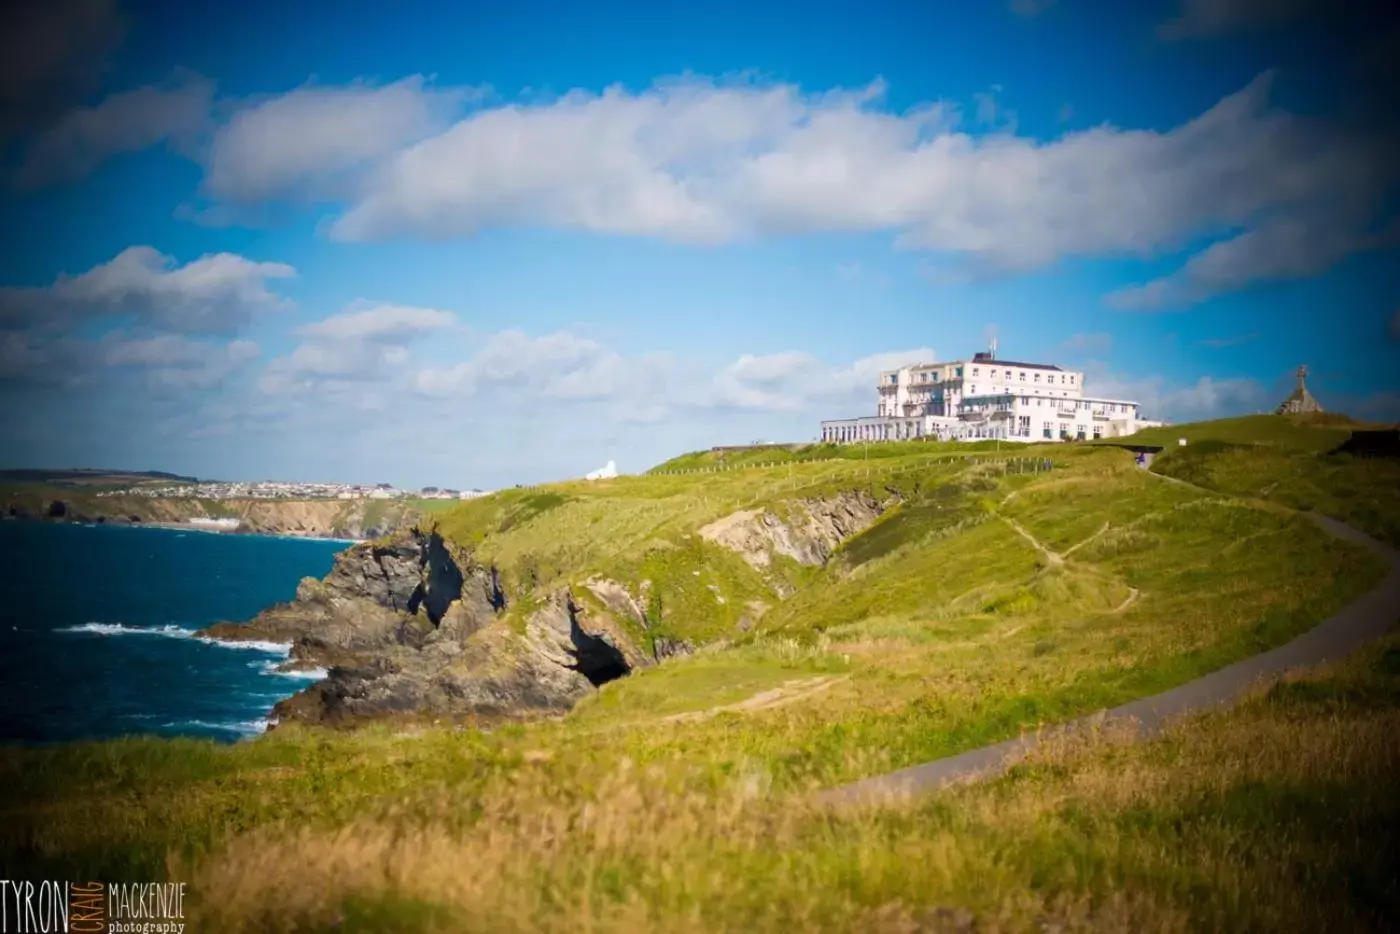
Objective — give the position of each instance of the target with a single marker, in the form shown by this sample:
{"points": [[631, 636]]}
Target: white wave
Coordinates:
{"points": [[119, 629], [273, 668], [273, 648], [172, 631], [241, 727]]}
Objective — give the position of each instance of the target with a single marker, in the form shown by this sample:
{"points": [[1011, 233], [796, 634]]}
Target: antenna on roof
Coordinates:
{"points": [[992, 341]]}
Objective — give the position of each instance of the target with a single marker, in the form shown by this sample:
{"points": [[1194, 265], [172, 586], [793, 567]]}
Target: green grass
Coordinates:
{"points": [[982, 603], [1275, 459]]}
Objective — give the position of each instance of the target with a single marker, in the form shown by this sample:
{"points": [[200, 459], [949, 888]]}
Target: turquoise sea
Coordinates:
{"points": [[97, 630]]}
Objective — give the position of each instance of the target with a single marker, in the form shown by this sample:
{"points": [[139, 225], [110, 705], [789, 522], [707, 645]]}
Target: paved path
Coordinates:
{"points": [[1368, 618]]}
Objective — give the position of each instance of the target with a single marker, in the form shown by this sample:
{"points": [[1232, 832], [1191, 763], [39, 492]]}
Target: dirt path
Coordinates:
{"points": [[1054, 558], [1367, 618], [786, 693]]}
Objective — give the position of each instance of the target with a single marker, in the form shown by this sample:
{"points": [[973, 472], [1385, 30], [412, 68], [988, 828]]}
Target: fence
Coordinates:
{"points": [[870, 468], [1009, 465]]}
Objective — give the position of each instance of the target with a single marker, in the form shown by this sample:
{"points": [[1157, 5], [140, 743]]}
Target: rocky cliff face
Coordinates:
{"points": [[808, 535], [416, 626]]}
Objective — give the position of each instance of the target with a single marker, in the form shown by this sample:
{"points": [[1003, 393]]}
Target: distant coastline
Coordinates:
{"points": [[202, 527]]}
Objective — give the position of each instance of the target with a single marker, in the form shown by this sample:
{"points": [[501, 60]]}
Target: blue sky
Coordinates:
{"points": [[505, 243]]}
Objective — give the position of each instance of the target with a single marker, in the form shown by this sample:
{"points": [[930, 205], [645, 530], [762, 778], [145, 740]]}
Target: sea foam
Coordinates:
{"points": [[171, 631]]}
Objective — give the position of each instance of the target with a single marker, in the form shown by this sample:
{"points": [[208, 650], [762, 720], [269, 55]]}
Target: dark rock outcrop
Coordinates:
{"points": [[414, 626]]}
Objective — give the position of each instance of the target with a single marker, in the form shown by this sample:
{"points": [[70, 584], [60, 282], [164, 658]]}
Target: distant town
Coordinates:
{"points": [[282, 489]]}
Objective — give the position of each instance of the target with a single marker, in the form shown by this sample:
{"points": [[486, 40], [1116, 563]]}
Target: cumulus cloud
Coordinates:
{"points": [[694, 161], [1208, 397], [126, 122], [177, 362], [301, 138], [1286, 248], [559, 365], [31, 360], [379, 322], [793, 381], [217, 293], [362, 343]]}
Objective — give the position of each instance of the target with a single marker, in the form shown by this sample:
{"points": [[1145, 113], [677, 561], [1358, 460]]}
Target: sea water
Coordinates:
{"points": [[97, 630]]}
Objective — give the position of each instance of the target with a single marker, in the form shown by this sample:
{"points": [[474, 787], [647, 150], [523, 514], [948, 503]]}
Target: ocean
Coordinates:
{"points": [[97, 630]]}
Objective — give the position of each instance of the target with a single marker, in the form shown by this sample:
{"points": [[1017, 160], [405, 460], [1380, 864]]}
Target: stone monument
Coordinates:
{"points": [[1300, 400]]}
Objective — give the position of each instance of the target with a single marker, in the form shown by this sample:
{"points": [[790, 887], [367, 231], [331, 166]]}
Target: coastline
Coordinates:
{"points": [[187, 527]]}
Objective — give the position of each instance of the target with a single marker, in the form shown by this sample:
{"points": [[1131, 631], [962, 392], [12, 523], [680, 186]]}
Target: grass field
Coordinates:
{"points": [[985, 601], [1288, 462]]}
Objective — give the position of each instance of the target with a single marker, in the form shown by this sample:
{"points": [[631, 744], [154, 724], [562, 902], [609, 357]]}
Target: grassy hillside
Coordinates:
{"points": [[985, 600], [1288, 461]]}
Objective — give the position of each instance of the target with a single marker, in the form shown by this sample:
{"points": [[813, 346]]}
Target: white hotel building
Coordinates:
{"points": [[987, 398]]}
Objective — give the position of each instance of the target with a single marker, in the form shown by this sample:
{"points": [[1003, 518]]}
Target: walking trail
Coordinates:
{"points": [[1368, 618]]}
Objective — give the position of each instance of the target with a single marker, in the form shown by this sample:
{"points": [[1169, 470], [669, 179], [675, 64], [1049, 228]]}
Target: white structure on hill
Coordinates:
{"points": [[986, 398], [603, 473]]}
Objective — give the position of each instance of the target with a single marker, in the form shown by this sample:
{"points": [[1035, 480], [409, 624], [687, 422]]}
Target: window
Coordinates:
{"points": [[1037, 377], [894, 378], [1047, 430], [975, 370], [1098, 432], [1022, 375], [1071, 379], [960, 371]]}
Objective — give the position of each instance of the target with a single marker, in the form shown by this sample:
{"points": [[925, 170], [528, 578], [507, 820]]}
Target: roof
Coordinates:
{"points": [[1028, 366]]}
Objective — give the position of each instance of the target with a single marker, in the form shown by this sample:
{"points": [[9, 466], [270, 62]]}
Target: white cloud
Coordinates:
{"points": [[1208, 397], [379, 322], [300, 138], [217, 293], [127, 122], [1287, 248], [1208, 19], [31, 360], [361, 344], [559, 365], [793, 381], [693, 161]]}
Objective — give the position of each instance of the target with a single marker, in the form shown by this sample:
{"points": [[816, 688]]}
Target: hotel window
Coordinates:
{"points": [[975, 371], [1047, 430], [1071, 379], [1098, 432], [1037, 377], [1022, 375]]}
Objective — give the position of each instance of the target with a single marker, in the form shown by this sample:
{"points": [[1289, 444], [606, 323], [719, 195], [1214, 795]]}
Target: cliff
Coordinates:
{"points": [[414, 625], [353, 519], [422, 623]]}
